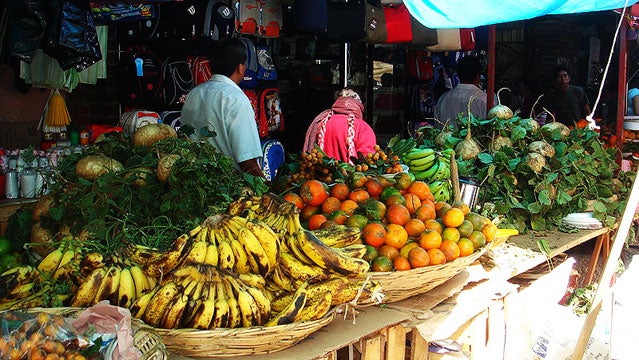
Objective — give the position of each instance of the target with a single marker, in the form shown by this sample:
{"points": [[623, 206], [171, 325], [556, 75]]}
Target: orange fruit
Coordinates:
{"points": [[308, 211], [401, 263], [419, 188], [331, 204], [315, 221], [371, 253], [430, 239], [374, 234], [397, 214], [453, 217], [450, 249], [414, 227], [382, 264], [461, 206], [441, 208], [295, 199], [478, 239], [418, 257], [434, 225], [357, 221], [395, 199], [357, 180], [466, 247], [402, 180], [339, 216], [372, 209], [476, 219], [451, 234], [374, 187], [425, 212], [489, 231], [406, 248], [388, 192], [412, 202], [359, 195], [340, 191], [384, 181], [465, 229], [348, 206], [396, 236], [313, 192], [436, 256], [388, 251]]}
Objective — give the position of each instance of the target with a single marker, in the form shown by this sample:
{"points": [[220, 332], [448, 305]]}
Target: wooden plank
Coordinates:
{"points": [[396, 343], [418, 346], [372, 348], [559, 241]]}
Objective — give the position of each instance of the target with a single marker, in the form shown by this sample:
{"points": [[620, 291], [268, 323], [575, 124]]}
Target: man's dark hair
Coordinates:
{"points": [[226, 55], [468, 68], [560, 68]]}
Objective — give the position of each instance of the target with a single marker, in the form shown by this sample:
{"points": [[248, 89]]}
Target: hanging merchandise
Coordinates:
{"points": [[250, 80], [270, 110], [177, 80], [421, 34], [219, 20], [265, 68], [57, 114], [419, 65], [346, 21], [271, 20], [310, 15], [447, 40], [200, 70], [247, 16], [26, 28], [109, 13], [140, 77], [376, 32], [398, 24]]}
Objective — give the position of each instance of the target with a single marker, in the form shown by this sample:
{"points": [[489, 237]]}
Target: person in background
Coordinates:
{"points": [[633, 99], [568, 103], [219, 111], [455, 101], [341, 131]]}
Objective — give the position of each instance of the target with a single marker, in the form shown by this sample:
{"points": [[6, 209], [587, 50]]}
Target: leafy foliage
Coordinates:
{"points": [[581, 175]]}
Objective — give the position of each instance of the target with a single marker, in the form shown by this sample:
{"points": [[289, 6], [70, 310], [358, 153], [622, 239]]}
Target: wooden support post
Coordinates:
{"points": [[373, 348], [396, 343], [418, 346], [594, 258]]}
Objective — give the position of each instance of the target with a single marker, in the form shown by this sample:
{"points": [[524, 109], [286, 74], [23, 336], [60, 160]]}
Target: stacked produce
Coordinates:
{"points": [[535, 175], [433, 168]]}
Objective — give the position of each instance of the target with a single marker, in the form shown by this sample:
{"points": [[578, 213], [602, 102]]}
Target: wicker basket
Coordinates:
{"points": [[239, 341], [399, 285], [145, 338]]}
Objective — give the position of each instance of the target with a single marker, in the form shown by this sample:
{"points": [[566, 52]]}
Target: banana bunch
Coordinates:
{"points": [[339, 236], [441, 190], [419, 161], [201, 296], [21, 288], [278, 214], [400, 147]]}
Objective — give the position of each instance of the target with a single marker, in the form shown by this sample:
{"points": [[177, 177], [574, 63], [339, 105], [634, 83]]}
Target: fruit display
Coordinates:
{"points": [[224, 273], [432, 167]]}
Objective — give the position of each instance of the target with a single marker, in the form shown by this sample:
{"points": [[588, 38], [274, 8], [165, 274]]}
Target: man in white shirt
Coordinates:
{"points": [[455, 101], [220, 112]]}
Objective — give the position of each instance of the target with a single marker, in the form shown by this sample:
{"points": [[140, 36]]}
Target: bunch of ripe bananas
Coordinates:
{"points": [[432, 167]]}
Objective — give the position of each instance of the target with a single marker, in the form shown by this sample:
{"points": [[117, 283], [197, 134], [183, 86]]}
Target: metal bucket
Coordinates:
{"points": [[469, 189]]}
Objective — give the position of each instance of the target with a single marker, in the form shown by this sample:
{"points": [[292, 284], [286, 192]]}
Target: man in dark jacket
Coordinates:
{"points": [[568, 103]]}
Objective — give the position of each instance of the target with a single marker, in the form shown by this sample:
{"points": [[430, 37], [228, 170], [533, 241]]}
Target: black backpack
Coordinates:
{"points": [[219, 20], [140, 76], [177, 79]]}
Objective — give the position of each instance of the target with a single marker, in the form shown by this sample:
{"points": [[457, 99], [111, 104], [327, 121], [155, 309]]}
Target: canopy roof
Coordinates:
{"points": [[443, 14]]}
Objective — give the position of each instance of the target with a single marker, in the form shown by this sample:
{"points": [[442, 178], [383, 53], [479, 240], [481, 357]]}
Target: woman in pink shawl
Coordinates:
{"points": [[340, 131]]}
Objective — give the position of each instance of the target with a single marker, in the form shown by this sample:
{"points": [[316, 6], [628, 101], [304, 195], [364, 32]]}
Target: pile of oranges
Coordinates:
{"points": [[402, 224]]}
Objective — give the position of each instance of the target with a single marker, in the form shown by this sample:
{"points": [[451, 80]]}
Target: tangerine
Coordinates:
{"points": [[331, 204], [451, 234], [419, 188], [434, 225], [387, 192], [453, 217], [359, 195], [374, 234], [374, 187], [402, 180], [371, 253], [406, 248], [388, 251], [430, 239], [295, 199], [466, 247], [418, 257], [340, 191], [339, 216], [315, 221], [348, 206], [476, 219], [425, 212], [328, 224], [450, 249], [412, 202], [441, 208], [308, 211], [357, 221], [382, 264], [395, 199], [489, 231], [356, 180], [436, 257], [397, 214], [478, 239], [372, 209], [313, 192], [401, 263], [462, 206], [465, 229], [414, 227], [396, 236]]}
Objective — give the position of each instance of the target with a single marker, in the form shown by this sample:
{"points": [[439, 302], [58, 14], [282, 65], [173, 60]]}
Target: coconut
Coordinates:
{"points": [[502, 112], [500, 141], [542, 147], [535, 162], [468, 148]]}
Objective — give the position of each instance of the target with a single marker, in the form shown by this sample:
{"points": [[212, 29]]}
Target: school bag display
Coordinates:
{"points": [[310, 15], [247, 18], [219, 20], [346, 21], [273, 157], [265, 68], [177, 79], [140, 76], [270, 24], [262, 128], [270, 110], [200, 70], [250, 80]]}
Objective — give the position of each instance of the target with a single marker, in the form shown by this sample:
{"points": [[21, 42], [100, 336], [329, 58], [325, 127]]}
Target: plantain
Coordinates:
{"points": [[316, 306], [288, 314], [267, 238], [28, 302], [206, 311], [249, 311], [222, 311], [351, 290], [126, 289], [281, 280], [355, 251], [197, 255], [339, 236], [257, 257], [140, 281], [298, 270], [141, 254], [241, 264], [226, 256], [87, 290], [329, 259], [50, 263], [212, 254], [418, 153], [140, 304], [235, 316], [16, 276], [173, 316], [160, 303], [255, 280], [108, 289], [172, 257]]}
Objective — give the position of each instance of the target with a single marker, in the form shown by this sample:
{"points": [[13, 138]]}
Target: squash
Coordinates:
{"points": [[149, 134], [165, 165], [92, 166]]}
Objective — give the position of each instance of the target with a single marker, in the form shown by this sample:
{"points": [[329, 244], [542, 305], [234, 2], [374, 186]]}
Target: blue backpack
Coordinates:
{"points": [[273, 157], [250, 80]]}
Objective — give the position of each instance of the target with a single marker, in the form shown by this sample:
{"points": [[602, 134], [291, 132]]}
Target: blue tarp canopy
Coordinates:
{"points": [[444, 14]]}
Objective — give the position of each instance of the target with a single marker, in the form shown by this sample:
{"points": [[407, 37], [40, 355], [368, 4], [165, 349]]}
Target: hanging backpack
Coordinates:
{"points": [[262, 128], [310, 15], [200, 70], [265, 67], [419, 64], [250, 75], [140, 76], [271, 20], [248, 14], [177, 79], [376, 32], [270, 110], [398, 24], [141, 30], [219, 20], [273, 157], [132, 120], [346, 21], [172, 118]]}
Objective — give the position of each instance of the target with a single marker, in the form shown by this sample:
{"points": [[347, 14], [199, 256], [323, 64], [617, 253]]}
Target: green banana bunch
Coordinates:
{"points": [[441, 190], [401, 146]]}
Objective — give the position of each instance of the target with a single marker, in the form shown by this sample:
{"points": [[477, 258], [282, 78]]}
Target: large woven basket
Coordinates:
{"points": [[400, 285], [239, 341], [144, 338]]}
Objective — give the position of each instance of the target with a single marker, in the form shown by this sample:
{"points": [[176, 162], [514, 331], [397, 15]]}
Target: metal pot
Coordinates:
{"points": [[470, 189]]}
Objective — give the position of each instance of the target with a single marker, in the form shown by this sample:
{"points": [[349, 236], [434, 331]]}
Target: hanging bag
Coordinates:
{"points": [[250, 80], [248, 13], [346, 21], [422, 35], [398, 25], [447, 40], [271, 19], [219, 20], [310, 15], [376, 32], [177, 79], [200, 70]]}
